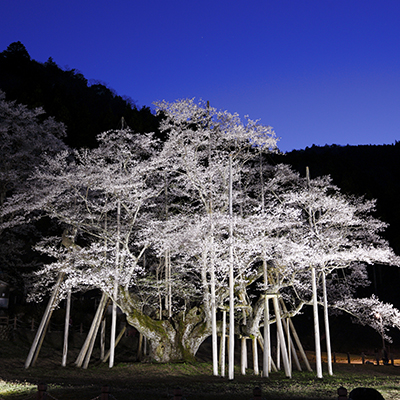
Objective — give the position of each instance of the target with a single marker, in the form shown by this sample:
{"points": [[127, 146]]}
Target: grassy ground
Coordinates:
{"points": [[134, 380]]}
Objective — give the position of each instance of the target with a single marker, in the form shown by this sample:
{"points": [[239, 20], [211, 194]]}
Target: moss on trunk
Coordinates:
{"points": [[173, 340]]}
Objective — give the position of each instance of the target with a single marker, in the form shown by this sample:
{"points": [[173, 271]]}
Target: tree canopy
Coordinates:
{"points": [[147, 222]]}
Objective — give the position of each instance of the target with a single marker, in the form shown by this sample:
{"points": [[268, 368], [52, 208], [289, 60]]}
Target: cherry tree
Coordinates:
{"points": [[335, 233], [25, 137], [111, 200], [174, 231]]}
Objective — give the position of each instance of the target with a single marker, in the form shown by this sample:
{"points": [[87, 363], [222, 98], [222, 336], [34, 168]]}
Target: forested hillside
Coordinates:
{"points": [[86, 108]]}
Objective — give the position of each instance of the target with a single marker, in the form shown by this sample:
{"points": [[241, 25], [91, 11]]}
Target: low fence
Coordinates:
{"points": [[9, 326], [363, 358]]}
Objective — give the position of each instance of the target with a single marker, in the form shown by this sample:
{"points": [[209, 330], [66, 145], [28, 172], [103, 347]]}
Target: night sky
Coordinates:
{"points": [[318, 71]]}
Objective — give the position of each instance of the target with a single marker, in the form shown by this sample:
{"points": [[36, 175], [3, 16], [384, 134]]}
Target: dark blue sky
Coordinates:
{"points": [[318, 71]]}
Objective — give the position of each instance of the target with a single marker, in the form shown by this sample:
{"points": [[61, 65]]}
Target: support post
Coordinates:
{"points": [[66, 329], [116, 343], [231, 282], [318, 358], [296, 338], [255, 355], [281, 335], [267, 340], [92, 331], [37, 342], [327, 328], [222, 344], [243, 358], [91, 343], [103, 339]]}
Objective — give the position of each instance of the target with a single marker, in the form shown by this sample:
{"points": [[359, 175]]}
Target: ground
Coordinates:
{"points": [[141, 380]]}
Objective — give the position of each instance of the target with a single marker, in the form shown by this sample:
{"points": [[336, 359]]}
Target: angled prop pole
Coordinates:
{"points": [[37, 342]]}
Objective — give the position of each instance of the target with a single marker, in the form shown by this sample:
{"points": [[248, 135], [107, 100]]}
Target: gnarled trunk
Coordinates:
{"points": [[176, 339]]}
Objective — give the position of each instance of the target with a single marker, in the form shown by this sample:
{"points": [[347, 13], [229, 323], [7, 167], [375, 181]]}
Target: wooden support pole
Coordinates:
{"points": [[103, 339], [267, 340], [255, 356], [119, 337], [66, 329], [292, 353], [93, 338], [289, 341], [271, 361], [278, 349], [317, 336], [41, 332], [243, 358], [116, 284], [39, 346], [327, 328], [281, 337], [92, 331], [222, 345], [296, 338], [231, 360]]}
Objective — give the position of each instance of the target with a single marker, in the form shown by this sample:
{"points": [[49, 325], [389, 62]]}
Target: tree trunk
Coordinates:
{"points": [[173, 340]]}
